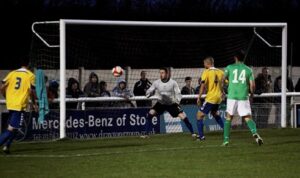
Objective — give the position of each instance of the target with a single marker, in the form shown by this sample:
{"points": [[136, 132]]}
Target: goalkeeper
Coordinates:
{"points": [[169, 96]]}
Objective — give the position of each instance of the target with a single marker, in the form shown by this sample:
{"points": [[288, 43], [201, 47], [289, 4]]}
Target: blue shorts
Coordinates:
{"points": [[16, 118], [206, 108]]}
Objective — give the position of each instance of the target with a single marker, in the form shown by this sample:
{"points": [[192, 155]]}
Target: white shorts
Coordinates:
{"points": [[242, 107]]}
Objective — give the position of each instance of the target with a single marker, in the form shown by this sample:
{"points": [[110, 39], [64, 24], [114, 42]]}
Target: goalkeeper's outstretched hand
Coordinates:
{"points": [[148, 95]]}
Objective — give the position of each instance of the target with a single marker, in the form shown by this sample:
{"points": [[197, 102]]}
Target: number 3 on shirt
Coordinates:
{"points": [[18, 83], [237, 78]]}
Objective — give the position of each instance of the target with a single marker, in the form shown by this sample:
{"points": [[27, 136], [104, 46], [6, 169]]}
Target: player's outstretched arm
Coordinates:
{"points": [[151, 90], [177, 92]]}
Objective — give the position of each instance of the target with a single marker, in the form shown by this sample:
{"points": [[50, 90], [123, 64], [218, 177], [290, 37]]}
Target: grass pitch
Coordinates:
{"points": [[173, 155]]}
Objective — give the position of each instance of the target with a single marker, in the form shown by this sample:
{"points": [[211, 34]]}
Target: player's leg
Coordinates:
{"points": [[204, 110], [7, 134], [175, 110], [15, 118], [156, 109], [200, 125], [186, 121], [149, 117], [8, 143], [252, 127], [244, 110], [214, 112], [226, 130], [230, 109]]}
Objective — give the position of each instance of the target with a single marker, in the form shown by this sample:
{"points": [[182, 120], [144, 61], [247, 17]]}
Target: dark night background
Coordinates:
{"points": [[19, 15]]}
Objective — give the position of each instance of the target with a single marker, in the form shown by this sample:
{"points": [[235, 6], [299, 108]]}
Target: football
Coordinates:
{"points": [[117, 71]]}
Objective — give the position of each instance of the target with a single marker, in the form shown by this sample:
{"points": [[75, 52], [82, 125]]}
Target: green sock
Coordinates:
{"points": [[227, 126], [252, 126]]}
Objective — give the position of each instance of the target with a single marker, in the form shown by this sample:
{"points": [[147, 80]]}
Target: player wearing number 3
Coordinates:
{"points": [[240, 78], [16, 87]]}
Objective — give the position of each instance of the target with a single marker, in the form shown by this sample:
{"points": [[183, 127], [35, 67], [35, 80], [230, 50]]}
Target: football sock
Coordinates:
{"points": [[148, 123], [5, 136], [10, 140], [219, 121], [252, 126], [200, 125], [188, 125], [227, 130]]}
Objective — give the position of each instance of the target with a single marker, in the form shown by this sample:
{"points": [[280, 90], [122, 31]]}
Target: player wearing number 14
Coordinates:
{"points": [[241, 80]]}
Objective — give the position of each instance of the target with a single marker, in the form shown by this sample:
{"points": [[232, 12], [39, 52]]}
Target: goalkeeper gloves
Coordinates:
{"points": [[149, 94]]}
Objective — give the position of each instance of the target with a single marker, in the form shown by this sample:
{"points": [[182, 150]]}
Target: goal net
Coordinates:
{"points": [[90, 49]]}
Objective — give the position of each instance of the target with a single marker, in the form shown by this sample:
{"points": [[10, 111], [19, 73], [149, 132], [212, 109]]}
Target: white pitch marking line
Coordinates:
{"points": [[108, 153]]}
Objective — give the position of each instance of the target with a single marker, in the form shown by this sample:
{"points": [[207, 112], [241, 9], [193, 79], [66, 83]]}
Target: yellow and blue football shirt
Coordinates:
{"points": [[212, 79], [18, 85]]}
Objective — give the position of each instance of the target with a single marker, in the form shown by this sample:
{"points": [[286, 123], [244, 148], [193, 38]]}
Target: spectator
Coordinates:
{"points": [[92, 88], [73, 91], [103, 89], [262, 106], [277, 89], [104, 93], [140, 88], [297, 87], [121, 91], [52, 93], [263, 82], [198, 87], [188, 90], [53, 89], [289, 84]]}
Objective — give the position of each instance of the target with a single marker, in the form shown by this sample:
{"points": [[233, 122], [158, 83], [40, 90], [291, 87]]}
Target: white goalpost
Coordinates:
{"points": [[62, 62]]}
